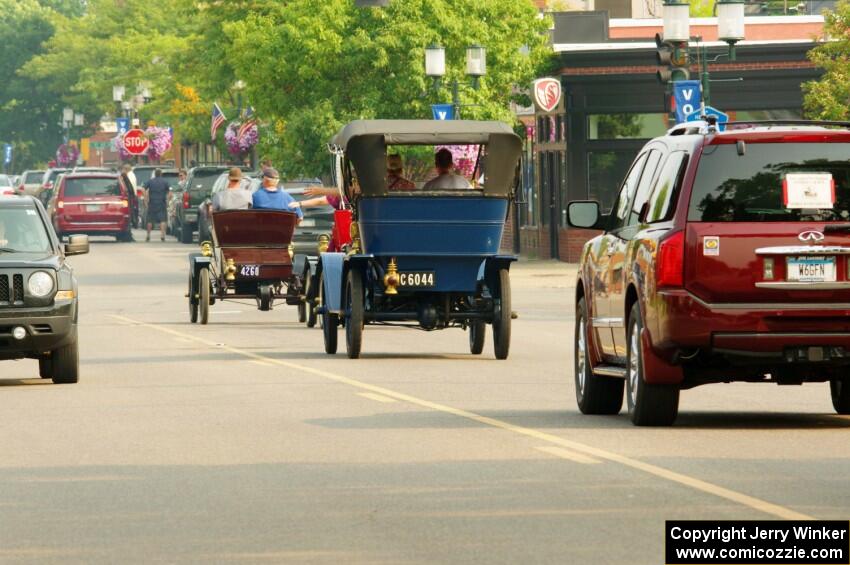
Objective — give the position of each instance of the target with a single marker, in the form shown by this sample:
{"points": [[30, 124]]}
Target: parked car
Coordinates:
{"points": [[6, 186], [91, 203], [725, 258], [47, 183], [198, 185], [38, 291], [318, 220], [31, 182]]}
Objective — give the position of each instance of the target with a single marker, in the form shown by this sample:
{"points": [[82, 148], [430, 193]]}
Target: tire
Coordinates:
{"points": [[840, 392], [66, 362], [124, 237], [595, 394], [649, 405], [185, 234], [193, 305], [204, 296], [354, 299], [329, 327], [302, 312], [45, 368], [477, 334], [309, 305], [502, 322]]}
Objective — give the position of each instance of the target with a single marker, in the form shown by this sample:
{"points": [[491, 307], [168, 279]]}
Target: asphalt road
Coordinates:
{"points": [[241, 441]]}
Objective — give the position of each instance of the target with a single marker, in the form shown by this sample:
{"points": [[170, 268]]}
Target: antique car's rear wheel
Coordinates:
{"points": [[329, 324], [310, 304], [649, 405], [265, 297], [477, 333], [595, 394], [204, 295], [45, 367], [502, 321], [840, 391], [193, 303], [354, 299], [65, 362]]}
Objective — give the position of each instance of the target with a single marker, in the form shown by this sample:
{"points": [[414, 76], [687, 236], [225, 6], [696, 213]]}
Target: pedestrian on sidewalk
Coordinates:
{"points": [[157, 195]]}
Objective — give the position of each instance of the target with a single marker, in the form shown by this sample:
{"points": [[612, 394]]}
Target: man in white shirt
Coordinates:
{"points": [[446, 178]]}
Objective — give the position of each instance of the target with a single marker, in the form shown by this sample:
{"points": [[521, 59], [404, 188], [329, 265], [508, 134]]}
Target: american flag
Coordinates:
{"points": [[248, 122], [217, 119]]}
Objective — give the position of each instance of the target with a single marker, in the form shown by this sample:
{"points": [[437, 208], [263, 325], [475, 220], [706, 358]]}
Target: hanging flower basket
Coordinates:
{"points": [[239, 146], [67, 155], [160, 142]]}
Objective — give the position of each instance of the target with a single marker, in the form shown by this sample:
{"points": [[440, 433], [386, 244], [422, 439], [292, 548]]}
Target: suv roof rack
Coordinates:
{"points": [[742, 124], [697, 127]]}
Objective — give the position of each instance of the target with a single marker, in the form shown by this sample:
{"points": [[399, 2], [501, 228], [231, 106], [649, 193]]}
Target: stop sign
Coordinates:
{"points": [[135, 142]]}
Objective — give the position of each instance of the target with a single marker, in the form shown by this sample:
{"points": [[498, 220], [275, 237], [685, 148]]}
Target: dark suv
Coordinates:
{"points": [[726, 257], [198, 186], [38, 291]]}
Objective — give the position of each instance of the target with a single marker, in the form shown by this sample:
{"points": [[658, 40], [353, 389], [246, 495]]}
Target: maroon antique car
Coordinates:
{"points": [[250, 257]]}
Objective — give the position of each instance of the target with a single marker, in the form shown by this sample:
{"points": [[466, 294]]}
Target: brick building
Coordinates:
{"points": [[612, 104]]}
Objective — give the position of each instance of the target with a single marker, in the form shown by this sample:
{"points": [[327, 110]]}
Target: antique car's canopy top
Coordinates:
{"points": [[365, 144]]}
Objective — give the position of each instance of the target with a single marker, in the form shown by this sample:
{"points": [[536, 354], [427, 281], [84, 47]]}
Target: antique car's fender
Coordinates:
{"points": [[197, 262], [331, 268], [492, 266]]}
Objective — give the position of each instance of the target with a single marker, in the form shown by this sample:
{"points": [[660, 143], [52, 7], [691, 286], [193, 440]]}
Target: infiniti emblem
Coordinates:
{"points": [[811, 235]]}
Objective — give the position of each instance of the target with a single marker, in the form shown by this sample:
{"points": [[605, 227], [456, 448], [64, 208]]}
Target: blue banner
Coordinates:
{"points": [[123, 125], [687, 97], [443, 111], [7, 154]]}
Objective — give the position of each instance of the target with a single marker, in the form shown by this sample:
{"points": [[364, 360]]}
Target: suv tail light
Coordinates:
{"points": [[48, 185], [670, 260], [186, 200]]}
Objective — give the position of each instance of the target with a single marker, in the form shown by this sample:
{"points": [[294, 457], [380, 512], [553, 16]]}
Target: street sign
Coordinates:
{"points": [[547, 93], [443, 111], [688, 97], [710, 111], [7, 154], [135, 142], [123, 125]]}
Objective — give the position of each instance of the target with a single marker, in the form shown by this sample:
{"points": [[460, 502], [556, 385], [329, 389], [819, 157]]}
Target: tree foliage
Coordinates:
{"points": [[829, 97]]}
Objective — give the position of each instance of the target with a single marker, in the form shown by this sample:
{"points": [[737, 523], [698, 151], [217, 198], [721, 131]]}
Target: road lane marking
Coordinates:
{"points": [[376, 397], [672, 476], [261, 363], [568, 454]]}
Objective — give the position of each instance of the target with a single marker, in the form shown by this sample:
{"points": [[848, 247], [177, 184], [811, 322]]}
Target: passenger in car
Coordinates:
{"points": [[270, 197], [446, 178], [235, 196], [394, 179]]}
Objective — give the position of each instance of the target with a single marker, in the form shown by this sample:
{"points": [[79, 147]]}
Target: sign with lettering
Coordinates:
{"points": [[687, 97]]}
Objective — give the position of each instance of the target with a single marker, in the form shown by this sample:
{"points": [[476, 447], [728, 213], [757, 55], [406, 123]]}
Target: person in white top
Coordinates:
{"points": [[446, 178]]}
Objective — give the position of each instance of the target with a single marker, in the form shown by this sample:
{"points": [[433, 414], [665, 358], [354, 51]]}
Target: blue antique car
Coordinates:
{"points": [[422, 256]]}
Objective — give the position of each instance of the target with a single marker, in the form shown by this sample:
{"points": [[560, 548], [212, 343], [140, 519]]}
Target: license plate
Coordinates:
{"points": [[417, 279], [93, 207], [811, 269], [249, 271]]}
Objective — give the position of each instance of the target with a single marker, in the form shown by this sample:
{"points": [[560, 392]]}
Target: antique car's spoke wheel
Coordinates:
{"points": [[840, 391], [193, 304], [204, 295], [502, 321], [649, 404], [594, 394], [354, 314], [477, 333]]}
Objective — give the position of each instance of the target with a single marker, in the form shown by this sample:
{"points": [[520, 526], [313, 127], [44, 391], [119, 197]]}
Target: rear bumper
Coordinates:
{"points": [[120, 224], [47, 329]]}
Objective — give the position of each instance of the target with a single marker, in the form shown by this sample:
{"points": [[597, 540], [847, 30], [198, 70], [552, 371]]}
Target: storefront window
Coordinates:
{"points": [[626, 126], [605, 172], [780, 114]]}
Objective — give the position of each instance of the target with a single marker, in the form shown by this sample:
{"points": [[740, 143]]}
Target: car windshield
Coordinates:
{"points": [[22, 231], [5, 181], [772, 182], [92, 187], [33, 177]]}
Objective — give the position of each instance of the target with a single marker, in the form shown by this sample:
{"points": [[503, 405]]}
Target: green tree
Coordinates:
{"points": [[829, 97]]}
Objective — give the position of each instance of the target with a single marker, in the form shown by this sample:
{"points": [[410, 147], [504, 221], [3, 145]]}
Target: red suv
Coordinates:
{"points": [[91, 203], [726, 257]]}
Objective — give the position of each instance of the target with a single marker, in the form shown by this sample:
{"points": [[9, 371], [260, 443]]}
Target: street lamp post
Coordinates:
{"points": [[67, 121], [476, 67], [239, 86]]}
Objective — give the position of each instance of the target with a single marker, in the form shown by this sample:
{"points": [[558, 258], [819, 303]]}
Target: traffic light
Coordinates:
{"points": [[672, 58]]}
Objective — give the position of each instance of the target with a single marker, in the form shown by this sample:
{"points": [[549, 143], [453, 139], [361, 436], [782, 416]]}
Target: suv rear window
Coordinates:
{"points": [[92, 187], [749, 188]]}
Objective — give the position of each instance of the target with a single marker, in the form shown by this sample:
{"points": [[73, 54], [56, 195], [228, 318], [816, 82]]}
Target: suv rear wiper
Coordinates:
{"points": [[836, 227]]}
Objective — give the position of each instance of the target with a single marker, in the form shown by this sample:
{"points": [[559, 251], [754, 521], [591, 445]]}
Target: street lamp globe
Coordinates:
{"points": [[239, 85], [677, 21], [68, 115], [435, 61], [126, 106], [79, 119], [117, 93], [730, 21], [476, 61]]}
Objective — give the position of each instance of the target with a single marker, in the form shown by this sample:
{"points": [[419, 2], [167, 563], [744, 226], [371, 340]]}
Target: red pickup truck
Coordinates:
{"points": [[726, 257]]}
